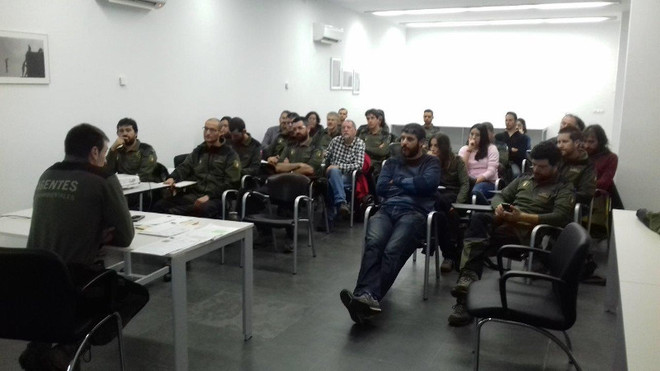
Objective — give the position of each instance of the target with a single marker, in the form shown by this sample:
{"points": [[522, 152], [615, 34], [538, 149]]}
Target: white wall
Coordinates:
{"points": [[184, 63], [470, 75], [639, 138]]}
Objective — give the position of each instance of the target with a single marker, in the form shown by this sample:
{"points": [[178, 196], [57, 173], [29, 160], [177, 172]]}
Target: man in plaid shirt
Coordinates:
{"points": [[345, 153]]}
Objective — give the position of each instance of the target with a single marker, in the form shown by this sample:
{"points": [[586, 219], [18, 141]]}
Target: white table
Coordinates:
{"points": [[143, 187], [14, 231], [633, 291]]}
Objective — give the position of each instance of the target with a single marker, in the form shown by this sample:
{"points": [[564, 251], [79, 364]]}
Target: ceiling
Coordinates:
{"points": [[362, 6]]}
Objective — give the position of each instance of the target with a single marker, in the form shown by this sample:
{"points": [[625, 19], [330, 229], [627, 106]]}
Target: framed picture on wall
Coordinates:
{"points": [[356, 83], [335, 73], [23, 58], [347, 80]]}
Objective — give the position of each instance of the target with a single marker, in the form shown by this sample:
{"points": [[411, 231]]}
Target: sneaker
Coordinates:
{"points": [[464, 281], [347, 299], [459, 316], [344, 210], [447, 265], [368, 301]]}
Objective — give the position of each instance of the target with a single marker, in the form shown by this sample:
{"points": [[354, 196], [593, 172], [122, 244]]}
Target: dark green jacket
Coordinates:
{"points": [[74, 202], [215, 170], [304, 152], [139, 159], [581, 175], [552, 202], [249, 151], [455, 178]]}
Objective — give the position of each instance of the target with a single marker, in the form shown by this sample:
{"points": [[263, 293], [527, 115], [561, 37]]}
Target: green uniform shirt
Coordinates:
{"points": [[377, 146], [215, 170], [322, 138], [581, 174], [277, 147], [249, 151], [430, 132], [553, 202], [138, 159], [304, 152]]}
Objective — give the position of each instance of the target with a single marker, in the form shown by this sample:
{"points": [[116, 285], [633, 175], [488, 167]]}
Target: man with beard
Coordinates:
{"points": [[300, 157], [408, 185], [247, 148], [128, 155], [576, 167], [515, 141], [282, 139], [333, 128], [540, 198]]}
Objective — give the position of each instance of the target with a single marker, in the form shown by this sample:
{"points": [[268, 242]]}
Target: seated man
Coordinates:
{"points": [[430, 129], [516, 143], [274, 150], [344, 154], [377, 138], [299, 156], [323, 137], [247, 148], [540, 198], [78, 207], [214, 166], [408, 184], [576, 167], [273, 131], [128, 155]]}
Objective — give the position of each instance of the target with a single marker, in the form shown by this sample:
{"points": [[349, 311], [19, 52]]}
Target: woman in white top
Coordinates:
{"points": [[482, 159]]}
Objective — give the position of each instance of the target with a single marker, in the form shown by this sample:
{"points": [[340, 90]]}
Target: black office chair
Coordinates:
{"points": [[536, 306], [39, 302], [178, 159], [289, 193]]}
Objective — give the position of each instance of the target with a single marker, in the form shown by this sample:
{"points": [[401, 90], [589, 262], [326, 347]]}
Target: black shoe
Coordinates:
{"points": [[347, 299], [344, 210]]}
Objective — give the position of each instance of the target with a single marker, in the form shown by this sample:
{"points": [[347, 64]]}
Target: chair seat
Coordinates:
{"points": [[533, 304], [270, 220]]}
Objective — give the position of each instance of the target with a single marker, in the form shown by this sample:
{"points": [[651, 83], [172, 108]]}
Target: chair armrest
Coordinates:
{"points": [[534, 275], [249, 194], [296, 204], [520, 248], [248, 180], [226, 194], [577, 212], [540, 228]]}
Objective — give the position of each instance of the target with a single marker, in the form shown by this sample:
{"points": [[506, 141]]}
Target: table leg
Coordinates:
{"points": [[612, 293], [141, 201], [180, 316], [246, 250]]}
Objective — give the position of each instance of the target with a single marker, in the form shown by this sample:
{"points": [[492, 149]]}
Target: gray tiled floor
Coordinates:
{"points": [[300, 324]]}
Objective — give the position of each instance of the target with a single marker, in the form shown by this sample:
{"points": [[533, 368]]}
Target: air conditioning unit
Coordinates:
{"points": [[327, 34], [144, 4]]}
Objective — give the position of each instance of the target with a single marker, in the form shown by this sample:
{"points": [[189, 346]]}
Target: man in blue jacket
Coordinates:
{"points": [[408, 185]]}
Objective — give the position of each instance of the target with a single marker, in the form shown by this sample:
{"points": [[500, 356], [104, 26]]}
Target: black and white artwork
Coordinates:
{"points": [[23, 58], [335, 73]]}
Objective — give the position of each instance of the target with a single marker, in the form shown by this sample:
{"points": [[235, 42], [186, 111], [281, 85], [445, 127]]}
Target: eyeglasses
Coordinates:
{"points": [[210, 130]]}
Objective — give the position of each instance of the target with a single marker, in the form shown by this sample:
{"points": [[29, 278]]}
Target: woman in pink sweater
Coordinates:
{"points": [[482, 159]]}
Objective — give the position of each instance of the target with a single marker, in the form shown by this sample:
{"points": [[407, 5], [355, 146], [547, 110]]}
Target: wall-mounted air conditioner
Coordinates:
{"points": [[144, 4], [327, 34]]}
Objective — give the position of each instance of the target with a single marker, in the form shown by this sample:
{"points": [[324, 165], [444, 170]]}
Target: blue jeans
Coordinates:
{"points": [[392, 236], [483, 192], [338, 183]]}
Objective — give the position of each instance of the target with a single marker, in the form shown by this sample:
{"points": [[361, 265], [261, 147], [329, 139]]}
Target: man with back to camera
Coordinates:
{"points": [[128, 155], [576, 167], [214, 166], [541, 198], [78, 206], [408, 184]]}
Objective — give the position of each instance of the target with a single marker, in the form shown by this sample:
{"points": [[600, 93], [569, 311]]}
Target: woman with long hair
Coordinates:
{"points": [[482, 160], [456, 183], [313, 123]]}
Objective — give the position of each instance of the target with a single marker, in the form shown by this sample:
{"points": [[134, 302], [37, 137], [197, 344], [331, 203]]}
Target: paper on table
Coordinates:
{"points": [[165, 226], [168, 245], [210, 232]]}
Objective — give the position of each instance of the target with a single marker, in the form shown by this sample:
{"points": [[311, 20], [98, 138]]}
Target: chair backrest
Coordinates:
{"points": [[395, 149], [37, 297], [565, 262], [284, 188], [160, 172], [178, 159]]}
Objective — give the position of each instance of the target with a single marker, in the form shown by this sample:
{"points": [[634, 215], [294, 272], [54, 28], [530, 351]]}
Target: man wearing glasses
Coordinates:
{"points": [[214, 166]]}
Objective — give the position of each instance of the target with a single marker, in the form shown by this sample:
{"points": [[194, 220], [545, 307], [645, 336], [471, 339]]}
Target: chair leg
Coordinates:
{"points": [[548, 334], [310, 231], [437, 261], [477, 340], [87, 339], [295, 246]]}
